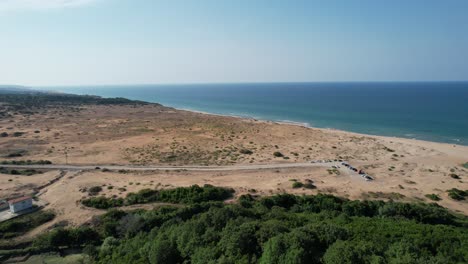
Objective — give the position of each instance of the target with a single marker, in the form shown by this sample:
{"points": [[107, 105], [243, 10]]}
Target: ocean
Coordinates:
{"points": [[433, 111]]}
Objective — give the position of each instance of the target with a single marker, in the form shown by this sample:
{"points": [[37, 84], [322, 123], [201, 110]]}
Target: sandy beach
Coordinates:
{"points": [[403, 169]]}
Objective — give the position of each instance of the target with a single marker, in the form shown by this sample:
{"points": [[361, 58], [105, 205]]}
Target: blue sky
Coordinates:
{"points": [[79, 42]]}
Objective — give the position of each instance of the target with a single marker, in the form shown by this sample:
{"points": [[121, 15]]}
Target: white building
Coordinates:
{"points": [[20, 204]]}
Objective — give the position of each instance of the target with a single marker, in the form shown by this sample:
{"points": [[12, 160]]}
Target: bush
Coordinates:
{"points": [[26, 162], [186, 195], [22, 224], [433, 197], [27, 172], [18, 134], [95, 190], [296, 185], [457, 194], [73, 237], [309, 185], [103, 202], [278, 154], [246, 151], [454, 176]]}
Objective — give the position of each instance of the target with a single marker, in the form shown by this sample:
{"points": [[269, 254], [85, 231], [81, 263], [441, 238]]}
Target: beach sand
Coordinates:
{"points": [[154, 135]]}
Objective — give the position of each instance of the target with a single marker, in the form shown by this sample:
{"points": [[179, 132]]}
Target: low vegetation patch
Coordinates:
{"points": [[184, 195], [382, 195], [389, 149], [94, 190], [457, 194], [22, 224], [27, 172], [308, 184], [246, 151], [334, 171], [278, 154], [433, 197], [25, 162], [297, 185], [465, 165]]}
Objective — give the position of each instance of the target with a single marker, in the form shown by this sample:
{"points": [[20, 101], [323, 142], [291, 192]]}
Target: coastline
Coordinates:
{"points": [[333, 130]]}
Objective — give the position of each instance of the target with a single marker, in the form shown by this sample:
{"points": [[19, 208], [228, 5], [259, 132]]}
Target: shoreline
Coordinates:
{"points": [[334, 130]]}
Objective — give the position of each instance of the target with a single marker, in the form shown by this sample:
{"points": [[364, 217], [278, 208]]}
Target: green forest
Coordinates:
{"points": [[278, 229]]}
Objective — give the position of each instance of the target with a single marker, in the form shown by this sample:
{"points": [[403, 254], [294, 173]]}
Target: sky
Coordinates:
{"points": [[94, 42]]}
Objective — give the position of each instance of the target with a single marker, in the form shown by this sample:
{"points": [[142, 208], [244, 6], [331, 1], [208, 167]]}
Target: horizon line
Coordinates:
{"points": [[224, 83], [233, 83]]}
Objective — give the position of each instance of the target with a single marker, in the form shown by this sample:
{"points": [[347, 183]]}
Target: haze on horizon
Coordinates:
{"points": [[78, 42]]}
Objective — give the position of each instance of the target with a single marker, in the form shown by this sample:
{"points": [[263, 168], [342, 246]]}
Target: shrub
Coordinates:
{"points": [[73, 237], [296, 185], [95, 190], [26, 162], [186, 195], [433, 197], [18, 134], [22, 224], [246, 151], [309, 185], [389, 149], [278, 154], [457, 194], [103, 202], [4, 134], [454, 176]]}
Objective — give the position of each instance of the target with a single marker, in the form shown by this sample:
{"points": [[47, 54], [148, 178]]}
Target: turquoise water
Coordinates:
{"points": [[429, 111]]}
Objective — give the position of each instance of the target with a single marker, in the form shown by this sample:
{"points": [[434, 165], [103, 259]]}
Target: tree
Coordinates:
{"points": [[164, 251]]}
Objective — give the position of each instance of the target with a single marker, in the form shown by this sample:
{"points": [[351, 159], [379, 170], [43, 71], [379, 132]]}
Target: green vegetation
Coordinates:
{"points": [[334, 171], [278, 229], [18, 134], [278, 154], [57, 259], [454, 176], [308, 184], [296, 185], [382, 195], [103, 202], [37, 100], [465, 165], [22, 224], [184, 195], [73, 237], [25, 162], [27, 172], [246, 151], [433, 197], [94, 190], [457, 194], [285, 229]]}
